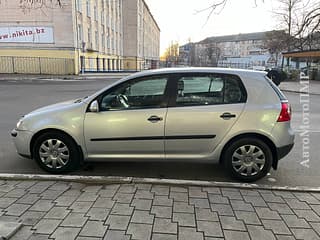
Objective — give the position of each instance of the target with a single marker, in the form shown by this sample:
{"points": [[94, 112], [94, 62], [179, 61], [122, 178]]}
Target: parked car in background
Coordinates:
{"points": [[276, 75], [237, 118]]}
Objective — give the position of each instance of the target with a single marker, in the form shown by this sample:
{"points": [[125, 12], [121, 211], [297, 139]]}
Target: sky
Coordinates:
{"points": [[178, 20]]}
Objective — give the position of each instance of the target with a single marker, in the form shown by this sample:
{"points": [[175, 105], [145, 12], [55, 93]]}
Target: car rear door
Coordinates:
{"points": [[202, 109]]}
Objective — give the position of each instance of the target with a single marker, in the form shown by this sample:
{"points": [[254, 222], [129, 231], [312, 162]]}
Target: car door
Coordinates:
{"points": [[202, 109], [130, 121]]}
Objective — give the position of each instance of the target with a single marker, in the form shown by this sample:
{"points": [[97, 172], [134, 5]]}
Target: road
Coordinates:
{"points": [[20, 97]]}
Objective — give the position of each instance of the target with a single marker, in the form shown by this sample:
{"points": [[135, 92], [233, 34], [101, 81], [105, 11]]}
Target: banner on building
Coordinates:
{"points": [[26, 34]]}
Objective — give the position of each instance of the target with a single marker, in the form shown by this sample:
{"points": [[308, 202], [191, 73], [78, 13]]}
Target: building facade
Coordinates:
{"points": [[68, 37], [241, 51], [99, 34], [141, 46]]}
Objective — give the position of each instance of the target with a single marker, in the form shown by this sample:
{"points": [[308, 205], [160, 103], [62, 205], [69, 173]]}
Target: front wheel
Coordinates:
{"points": [[56, 152], [248, 159]]}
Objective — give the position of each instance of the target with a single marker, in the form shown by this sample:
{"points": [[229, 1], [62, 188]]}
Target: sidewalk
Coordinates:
{"points": [[69, 210], [311, 87]]}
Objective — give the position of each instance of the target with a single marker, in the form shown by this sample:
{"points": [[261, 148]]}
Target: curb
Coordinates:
{"points": [[8, 229], [128, 180]]}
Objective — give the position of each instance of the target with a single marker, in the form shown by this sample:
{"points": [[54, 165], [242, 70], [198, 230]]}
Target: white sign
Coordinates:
{"points": [[26, 34]]}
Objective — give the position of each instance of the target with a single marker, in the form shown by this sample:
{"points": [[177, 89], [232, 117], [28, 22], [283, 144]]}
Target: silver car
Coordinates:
{"points": [[238, 118]]}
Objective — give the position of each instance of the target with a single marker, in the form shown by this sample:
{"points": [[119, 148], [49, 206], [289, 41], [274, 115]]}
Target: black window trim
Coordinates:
{"points": [[174, 88]]}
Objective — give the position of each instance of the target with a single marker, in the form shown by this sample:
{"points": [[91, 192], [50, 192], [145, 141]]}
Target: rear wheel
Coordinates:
{"points": [[248, 159], [56, 152]]}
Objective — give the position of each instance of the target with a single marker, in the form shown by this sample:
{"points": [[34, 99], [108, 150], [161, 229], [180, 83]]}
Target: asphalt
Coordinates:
{"points": [[36, 206], [304, 86]]}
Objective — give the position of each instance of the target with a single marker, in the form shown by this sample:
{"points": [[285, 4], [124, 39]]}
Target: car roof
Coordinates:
{"points": [[242, 73], [234, 71]]}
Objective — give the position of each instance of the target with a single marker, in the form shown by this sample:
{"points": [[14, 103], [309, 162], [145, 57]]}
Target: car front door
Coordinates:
{"points": [[202, 109], [130, 121]]}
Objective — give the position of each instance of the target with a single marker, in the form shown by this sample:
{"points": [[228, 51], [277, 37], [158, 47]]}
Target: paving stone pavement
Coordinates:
{"points": [[69, 210]]}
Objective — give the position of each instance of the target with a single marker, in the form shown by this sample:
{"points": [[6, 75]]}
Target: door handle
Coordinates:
{"points": [[155, 119], [227, 115]]}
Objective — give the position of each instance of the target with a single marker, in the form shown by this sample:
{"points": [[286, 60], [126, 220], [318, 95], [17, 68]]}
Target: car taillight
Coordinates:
{"points": [[285, 114]]}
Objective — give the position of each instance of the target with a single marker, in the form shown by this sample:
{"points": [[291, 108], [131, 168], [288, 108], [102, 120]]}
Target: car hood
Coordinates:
{"points": [[56, 107]]}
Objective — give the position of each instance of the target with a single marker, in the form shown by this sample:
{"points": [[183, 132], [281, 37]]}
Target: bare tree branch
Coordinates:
{"points": [[217, 6], [213, 7]]}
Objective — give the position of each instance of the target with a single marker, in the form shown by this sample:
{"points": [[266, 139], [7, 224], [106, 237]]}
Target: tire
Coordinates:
{"points": [[248, 159], [56, 152]]}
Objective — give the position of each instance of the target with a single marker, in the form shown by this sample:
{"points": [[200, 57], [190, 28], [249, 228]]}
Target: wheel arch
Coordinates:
{"points": [[54, 130], [264, 138]]}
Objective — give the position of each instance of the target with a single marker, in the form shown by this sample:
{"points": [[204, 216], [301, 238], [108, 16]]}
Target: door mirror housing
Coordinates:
{"points": [[94, 106]]}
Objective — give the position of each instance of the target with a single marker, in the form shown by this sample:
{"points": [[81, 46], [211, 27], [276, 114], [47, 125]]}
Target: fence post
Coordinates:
{"points": [[13, 71], [40, 65], [65, 66], [82, 64]]}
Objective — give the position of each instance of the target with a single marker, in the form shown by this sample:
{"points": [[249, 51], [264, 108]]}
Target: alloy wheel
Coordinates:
{"points": [[248, 160], [54, 153]]}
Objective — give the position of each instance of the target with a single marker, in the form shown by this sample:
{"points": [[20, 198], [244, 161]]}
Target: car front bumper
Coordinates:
{"points": [[21, 140]]}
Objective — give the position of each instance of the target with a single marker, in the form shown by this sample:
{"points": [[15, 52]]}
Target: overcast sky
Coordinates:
{"points": [[178, 21]]}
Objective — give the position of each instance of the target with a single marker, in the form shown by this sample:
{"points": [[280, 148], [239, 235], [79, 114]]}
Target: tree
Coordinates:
{"points": [[216, 7], [276, 42], [28, 5], [300, 19], [213, 53], [171, 54]]}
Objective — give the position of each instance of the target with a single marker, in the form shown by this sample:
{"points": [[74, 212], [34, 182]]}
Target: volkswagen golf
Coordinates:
{"points": [[238, 118]]}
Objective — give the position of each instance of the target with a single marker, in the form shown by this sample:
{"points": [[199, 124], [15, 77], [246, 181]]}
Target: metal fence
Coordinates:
{"points": [[88, 64], [36, 65], [44, 65]]}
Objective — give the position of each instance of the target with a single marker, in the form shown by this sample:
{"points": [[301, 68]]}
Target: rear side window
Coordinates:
{"points": [[276, 89], [209, 89]]}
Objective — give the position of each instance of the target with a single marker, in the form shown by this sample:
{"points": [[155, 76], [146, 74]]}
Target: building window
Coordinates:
{"points": [[111, 40], [96, 40], [103, 41], [88, 8], [102, 17], [79, 5], [89, 36], [95, 13], [108, 38], [80, 34]]}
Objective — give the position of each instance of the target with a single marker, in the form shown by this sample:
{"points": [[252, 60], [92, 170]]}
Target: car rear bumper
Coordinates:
{"points": [[21, 140], [284, 150]]}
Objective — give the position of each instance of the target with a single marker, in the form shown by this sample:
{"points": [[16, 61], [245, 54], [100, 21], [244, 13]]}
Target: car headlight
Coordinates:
{"points": [[20, 125]]}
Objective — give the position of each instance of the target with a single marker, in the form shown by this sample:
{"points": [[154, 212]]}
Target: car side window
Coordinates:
{"points": [[233, 91], [209, 90], [135, 94]]}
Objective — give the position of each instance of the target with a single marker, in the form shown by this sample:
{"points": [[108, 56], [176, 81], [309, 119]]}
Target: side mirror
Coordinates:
{"points": [[94, 106]]}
